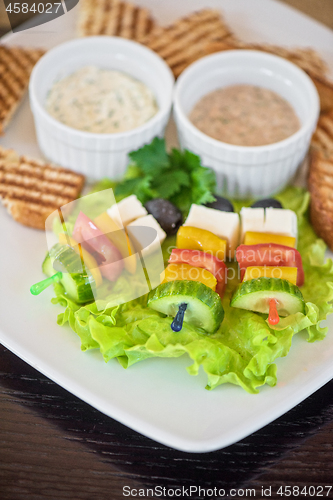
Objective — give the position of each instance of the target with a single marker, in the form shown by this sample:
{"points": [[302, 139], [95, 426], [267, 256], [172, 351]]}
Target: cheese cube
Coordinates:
{"points": [[269, 220], [252, 238], [146, 234], [280, 221], [223, 224], [252, 220], [126, 210]]}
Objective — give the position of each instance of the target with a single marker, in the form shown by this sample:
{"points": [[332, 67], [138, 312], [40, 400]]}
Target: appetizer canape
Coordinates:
{"points": [[271, 267]]}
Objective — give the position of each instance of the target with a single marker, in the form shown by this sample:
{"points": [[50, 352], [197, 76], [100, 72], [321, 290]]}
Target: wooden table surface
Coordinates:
{"points": [[54, 446]]}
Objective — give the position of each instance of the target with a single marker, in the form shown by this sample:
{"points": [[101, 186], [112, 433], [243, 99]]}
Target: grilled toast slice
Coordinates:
{"points": [[16, 64], [31, 189], [325, 90], [113, 18], [320, 184], [320, 180], [323, 136], [183, 42]]}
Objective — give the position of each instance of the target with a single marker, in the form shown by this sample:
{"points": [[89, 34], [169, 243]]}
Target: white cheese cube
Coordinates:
{"points": [[127, 210], [224, 224], [252, 219], [280, 221], [146, 234]]}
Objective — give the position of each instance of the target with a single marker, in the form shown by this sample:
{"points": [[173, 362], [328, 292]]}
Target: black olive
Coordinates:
{"points": [[166, 213], [267, 203], [221, 204]]}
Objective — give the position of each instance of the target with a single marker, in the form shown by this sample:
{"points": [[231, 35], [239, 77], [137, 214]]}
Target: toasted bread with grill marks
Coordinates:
{"points": [[320, 180], [113, 18], [320, 184], [16, 64], [323, 136], [183, 42], [325, 90], [31, 189]]}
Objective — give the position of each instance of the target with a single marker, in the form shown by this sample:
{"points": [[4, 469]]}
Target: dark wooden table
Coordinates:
{"points": [[54, 446]]}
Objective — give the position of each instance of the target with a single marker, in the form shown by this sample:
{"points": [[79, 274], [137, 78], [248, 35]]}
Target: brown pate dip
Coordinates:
{"points": [[245, 115]]}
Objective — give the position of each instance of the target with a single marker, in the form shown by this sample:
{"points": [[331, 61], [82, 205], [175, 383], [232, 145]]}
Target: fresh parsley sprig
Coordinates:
{"points": [[177, 176]]}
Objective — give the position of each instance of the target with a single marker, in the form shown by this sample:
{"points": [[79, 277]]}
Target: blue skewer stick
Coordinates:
{"points": [[177, 323]]}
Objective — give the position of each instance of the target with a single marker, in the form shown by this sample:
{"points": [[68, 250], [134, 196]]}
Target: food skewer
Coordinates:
{"points": [[270, 266], [77, 280], [195, 278]]}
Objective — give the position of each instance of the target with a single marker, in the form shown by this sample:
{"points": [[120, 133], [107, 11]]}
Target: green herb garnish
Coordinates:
{"points": [[177, 176]]}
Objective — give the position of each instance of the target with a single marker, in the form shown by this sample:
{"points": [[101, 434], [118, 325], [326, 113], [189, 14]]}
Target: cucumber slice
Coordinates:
{"points": [[204, 308], [254, 295], [79, 286]]}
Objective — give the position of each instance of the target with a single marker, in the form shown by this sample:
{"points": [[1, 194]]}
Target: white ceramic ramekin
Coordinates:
{"points": [[241, 171], [98, 155]]}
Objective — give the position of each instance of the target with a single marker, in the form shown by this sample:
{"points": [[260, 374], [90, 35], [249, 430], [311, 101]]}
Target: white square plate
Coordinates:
{"points": [[156, 398]]}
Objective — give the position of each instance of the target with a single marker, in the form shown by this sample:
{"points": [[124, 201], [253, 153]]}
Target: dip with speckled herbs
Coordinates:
{"points": [[245, 115], [101, 101]]}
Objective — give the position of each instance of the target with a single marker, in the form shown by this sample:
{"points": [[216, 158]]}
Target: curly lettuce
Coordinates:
{"points": [[244, 348]]}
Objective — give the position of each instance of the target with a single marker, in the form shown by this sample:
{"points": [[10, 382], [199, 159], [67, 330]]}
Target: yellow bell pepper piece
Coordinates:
{"points": [[88, 259], [253, 238], [193, 238], [284, 273], [175, 272], [119, 238]]}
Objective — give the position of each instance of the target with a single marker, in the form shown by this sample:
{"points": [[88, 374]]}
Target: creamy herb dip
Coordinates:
{"points": [[101, 101], [245, 115]]}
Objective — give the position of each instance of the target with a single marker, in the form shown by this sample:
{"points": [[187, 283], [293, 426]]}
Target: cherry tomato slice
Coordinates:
{"points": [[94, 241], [270, 254]]}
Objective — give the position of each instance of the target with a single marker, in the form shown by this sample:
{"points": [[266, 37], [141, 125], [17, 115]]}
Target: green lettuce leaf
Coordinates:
{"points": [[244, 348]]}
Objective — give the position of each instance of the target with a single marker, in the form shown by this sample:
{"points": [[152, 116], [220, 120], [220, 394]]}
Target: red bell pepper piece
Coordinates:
{"points": [[204, 260], [270, 254]]}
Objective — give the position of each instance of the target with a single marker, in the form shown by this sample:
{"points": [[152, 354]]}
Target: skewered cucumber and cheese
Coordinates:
{"points": [[195, 273], [204, 309], [270, 266], [255, 295]]}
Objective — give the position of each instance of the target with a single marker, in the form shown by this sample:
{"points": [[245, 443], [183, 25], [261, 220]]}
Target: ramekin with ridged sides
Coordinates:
{"points": [[98, 155], [242, 171]]}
